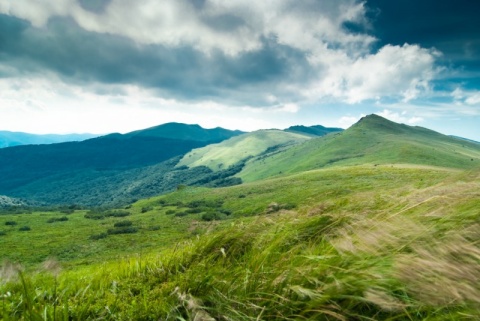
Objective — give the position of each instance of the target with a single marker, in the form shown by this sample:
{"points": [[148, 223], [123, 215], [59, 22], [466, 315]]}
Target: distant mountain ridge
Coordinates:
{"points": [[117, 169], [181, 131], [372, 140], [31, 170], [315, 130], [10, 139]]}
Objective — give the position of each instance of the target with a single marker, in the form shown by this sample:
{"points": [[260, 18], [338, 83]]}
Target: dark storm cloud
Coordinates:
{"points": [[179, 72], [451, 26]]}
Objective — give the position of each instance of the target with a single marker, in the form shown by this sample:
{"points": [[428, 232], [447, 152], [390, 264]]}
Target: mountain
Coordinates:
{"points": [[185, 132], [316, 130], [229, 152], [89, 171], [372, 140], [9, 139]]}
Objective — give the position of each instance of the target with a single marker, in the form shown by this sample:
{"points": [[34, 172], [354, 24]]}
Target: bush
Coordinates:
{"points": [[146, 209], [211, 216], [98, 236], [123, 230], [100, 215], [2, 233], [170, 212], [123, 224], [59, 219], [118, 213], [25, 228], [180, 214], [10, 223]]}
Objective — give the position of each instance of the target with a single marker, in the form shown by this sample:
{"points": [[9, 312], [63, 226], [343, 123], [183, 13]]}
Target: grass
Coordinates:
{"points": [[230, 152], [374, 140], [361, 243]]}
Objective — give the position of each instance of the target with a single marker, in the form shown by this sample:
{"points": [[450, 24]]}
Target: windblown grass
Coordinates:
{"points": [[398, 251]]}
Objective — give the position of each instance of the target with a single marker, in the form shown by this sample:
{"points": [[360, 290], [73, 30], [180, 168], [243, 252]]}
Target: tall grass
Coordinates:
{"points": [[406, 254]]}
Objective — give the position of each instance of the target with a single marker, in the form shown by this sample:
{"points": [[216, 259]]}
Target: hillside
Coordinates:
{"points": [[316, 130], [102, 169], [9, 139], [342, 243], [185, 132], [231, 151], [373, 140]]}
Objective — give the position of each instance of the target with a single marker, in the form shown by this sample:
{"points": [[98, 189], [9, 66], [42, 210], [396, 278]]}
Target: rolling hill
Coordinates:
{"points": [[231, 151], [101, 169], [379, 222], [316, 130], [373, 140], [9, 139], [239, 148]]}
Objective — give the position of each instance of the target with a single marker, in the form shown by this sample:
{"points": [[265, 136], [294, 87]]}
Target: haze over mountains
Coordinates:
{"points": [[117, 169], [9, 139]]}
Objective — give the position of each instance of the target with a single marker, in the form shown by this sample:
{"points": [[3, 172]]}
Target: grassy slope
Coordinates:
{"points": [[373, 140], [362, 243], [229, 152]]}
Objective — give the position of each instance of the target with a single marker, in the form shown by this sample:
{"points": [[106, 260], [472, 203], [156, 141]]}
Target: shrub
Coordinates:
{"points": [[2, 233], [118, 213], [146, 209], [59, 219], [100, 215], [180, 214], [123, 230], [98, 236], [10, 223], [123, 223], [25, 228], [170, 212], [211, 216]]}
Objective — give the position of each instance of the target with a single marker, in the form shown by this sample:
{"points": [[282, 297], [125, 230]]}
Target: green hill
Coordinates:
{"points": [[373, 140], [231, 151], [379, 222], [340, 243], [316, 130], [111, 169], [185, 132]]}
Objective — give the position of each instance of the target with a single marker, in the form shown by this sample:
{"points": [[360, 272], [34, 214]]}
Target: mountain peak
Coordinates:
{"points": [[183, 131], [379, 123]]}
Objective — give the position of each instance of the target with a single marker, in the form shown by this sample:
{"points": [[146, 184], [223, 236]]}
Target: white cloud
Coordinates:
{"points": [[400, 117], [231, 26], [347, 121], [394, 71], [47, 105], [471, 98]]}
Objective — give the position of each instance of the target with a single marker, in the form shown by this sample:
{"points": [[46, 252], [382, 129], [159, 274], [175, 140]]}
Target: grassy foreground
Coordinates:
{"points": [[358, 243]]}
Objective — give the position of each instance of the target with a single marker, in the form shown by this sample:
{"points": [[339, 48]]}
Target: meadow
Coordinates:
{"points": [[368, 242]]}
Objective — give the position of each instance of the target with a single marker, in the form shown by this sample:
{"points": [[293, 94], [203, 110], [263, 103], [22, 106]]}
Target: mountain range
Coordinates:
{"points": [[9, 139], [117, 169]]}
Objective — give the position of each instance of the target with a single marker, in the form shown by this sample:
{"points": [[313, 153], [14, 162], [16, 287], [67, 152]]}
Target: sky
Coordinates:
{"points": [[101, 66]]}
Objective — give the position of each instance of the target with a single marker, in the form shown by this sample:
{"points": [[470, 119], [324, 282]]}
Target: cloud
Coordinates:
{"points": [[402, 72], [400, 117], [229, 26], [471, 98], [235, 52]]}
